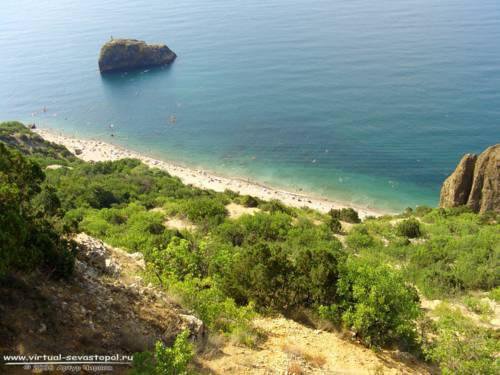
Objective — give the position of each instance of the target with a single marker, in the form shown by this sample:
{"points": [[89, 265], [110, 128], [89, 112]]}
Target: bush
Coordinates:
{"points": [[178, 259], [164, 360], [345, 214], [262, 274], [30, 235], [274, 206], [421, 211], [131, 227], [460, 346], [334, 225], [249, 201], [375, 303], [409, 228], [451, 264], [265, 260], [477, 305], [218, 311], [360, 238], [494, 294], [272, 278], [251, 229], [204, 210]]}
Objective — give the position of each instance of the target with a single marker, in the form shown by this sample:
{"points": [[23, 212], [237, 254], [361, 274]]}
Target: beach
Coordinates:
{"points": [[97, 150]]}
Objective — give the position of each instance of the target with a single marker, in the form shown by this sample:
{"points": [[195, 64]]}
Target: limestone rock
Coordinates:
{"points": [[195, 326], [92, 251], [123, 54], [475, 182], [484, 194], [456, 188]]}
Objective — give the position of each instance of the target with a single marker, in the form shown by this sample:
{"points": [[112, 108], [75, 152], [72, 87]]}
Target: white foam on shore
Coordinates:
{"points": [[96, 150]]}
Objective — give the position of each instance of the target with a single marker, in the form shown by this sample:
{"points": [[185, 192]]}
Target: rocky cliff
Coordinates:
{"points": [[106, 307], [475, 182], [123, 54]]}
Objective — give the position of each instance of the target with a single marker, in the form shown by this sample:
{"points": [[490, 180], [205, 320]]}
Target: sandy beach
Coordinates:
{"points": [[96, 150]]}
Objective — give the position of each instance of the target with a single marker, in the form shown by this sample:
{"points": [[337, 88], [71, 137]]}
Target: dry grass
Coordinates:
{"points": [[315, 360], [295, 368], [237, 210], [213, 346], [179, 224]]}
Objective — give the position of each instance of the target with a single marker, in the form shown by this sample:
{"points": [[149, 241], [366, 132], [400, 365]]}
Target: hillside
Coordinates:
{"points": [[104, 308], [278, 288]]}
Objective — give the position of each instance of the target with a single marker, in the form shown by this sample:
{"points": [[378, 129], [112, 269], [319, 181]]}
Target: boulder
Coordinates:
{"points": [[456, 188], [484, 195], [195, 326], [124, 54], [475, 182]]}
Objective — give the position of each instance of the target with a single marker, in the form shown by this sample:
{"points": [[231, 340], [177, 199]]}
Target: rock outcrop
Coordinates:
{"points": [[475, 182], [456, 188], [123, 54]]}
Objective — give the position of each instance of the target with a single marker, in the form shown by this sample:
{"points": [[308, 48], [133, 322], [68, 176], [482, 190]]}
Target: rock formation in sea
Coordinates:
{"points": [[123, 54], [475, 182]]}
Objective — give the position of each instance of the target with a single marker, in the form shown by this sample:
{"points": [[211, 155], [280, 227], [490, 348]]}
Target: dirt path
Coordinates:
{"points": [[292, 348]]}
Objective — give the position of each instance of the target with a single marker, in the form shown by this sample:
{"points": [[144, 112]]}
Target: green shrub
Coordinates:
{"points": [[265, 260], [494, 294], [251, 229], [178, 259], [477, 305], [421, 211], [204, 210], [451, 263], [348, 215], [460, 346], [262, 274], [218, 311], [360, 238], [19, 137], [249, 201], [131, 227], [334, 225], [272, 277], [409, 228], [275, 206], [165, 360], [30, 234], [376, 303]]}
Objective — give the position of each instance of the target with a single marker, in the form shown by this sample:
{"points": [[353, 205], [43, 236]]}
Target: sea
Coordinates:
{"points": [[371, 102]]}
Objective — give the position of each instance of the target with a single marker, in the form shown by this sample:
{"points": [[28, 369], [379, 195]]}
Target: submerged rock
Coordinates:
{"points": [[475, 182], [122, 54]]}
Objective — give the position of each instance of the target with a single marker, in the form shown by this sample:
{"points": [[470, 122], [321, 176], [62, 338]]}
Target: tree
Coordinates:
{"points": [[28, 238]]}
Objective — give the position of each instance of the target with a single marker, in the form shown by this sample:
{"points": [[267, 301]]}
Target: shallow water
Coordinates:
{"points": [[366, 101]]}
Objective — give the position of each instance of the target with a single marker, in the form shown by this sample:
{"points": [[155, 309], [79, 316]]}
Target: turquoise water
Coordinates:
{"points": [[367, 101]]}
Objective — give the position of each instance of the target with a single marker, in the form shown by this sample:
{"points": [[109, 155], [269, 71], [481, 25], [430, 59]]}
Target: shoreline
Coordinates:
{"points": [[97, 150]]}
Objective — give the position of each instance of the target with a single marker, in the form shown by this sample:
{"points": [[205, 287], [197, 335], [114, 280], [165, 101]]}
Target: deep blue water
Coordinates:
{"points": [[362, 100]]}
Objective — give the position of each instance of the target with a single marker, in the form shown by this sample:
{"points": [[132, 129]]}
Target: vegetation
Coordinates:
{"points": [[375, 303], [30, 235], [409, 228], [462, 347], [457, 251], [280, 259], [165, 360], [345, 214], [477, 305]]}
